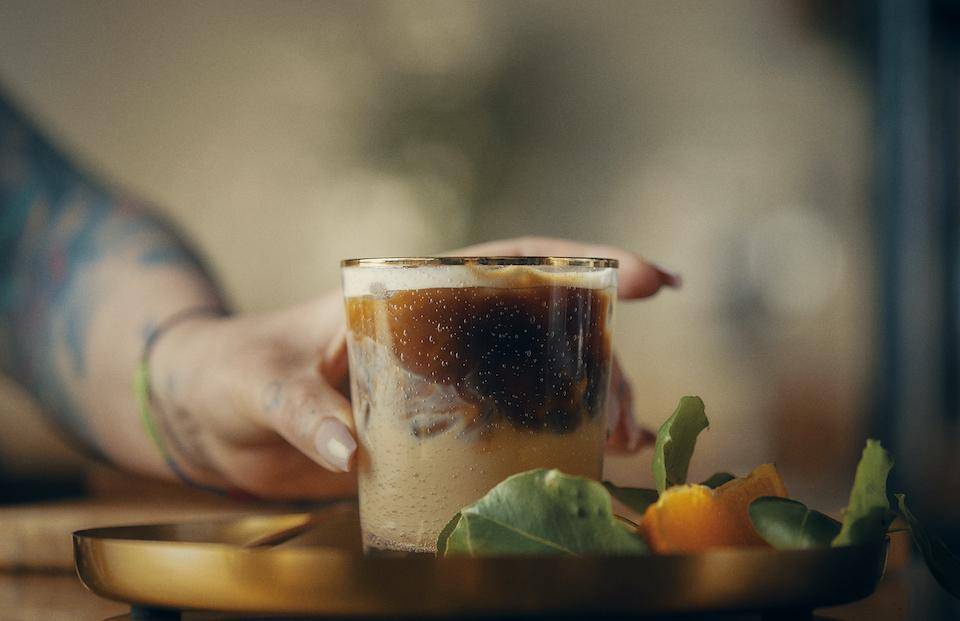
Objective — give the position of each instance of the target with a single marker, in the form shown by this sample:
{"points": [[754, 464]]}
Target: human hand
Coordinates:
{"points": [[258, 402]]}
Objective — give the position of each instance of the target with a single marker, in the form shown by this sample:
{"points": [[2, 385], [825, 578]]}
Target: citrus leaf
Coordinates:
{"points": [[868, 514], [943, 564], [445, 534], [789, 525], [542, 512], [676, 439], [717, 479], [637, 498]]}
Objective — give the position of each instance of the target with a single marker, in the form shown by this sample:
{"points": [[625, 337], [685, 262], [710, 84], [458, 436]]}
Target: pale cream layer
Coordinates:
{"points": [[410, 487]]}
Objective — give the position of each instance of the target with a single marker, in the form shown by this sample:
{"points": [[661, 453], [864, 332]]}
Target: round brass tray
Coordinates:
{"points": [[313, 564]]}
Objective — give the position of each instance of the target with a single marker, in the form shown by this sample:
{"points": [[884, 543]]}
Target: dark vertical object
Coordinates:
{"points": [[886, 186], [901, 190], [946, 111], [917, 192]]}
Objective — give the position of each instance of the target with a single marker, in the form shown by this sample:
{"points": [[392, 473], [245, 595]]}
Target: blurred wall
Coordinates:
{"points": [[728, 140]]}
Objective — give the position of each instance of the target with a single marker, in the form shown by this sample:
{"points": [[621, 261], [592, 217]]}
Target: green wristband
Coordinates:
{"points": [[144, 397]]}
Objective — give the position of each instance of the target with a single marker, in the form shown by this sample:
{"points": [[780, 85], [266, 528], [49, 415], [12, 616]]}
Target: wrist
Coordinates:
{"points": [[175, 356]]}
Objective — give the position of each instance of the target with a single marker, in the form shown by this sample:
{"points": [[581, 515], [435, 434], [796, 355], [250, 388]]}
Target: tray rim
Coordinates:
{"points": [[103, 550]]}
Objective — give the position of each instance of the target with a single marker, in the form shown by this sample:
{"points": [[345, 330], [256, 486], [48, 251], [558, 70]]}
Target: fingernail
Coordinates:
{"points": [[335, 444], [670, 277], [613, 413], [630, 426], [638, 436], [645, 438]]}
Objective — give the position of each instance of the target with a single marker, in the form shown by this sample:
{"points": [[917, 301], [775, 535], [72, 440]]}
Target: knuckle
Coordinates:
{"points": [[300, 399], [295, 417]]}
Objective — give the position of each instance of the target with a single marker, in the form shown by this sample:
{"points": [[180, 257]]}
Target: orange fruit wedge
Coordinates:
{"points": [[694, 518]]}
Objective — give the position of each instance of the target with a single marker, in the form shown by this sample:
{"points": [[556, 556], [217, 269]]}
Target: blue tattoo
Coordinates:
{"points": [[56, 226], [272, 396], [165, 255]]}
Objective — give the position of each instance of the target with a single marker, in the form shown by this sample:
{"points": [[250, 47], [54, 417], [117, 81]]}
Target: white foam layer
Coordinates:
{"points": [[363, 280]]}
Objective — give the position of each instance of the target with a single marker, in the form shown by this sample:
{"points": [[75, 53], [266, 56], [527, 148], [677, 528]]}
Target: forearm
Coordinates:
{"points": [[85, 275]]}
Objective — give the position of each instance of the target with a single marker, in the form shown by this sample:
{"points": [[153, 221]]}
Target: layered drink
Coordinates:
{"points": [[467, 370]]}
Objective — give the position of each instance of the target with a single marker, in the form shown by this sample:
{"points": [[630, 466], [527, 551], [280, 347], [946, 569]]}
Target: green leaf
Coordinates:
{"points": [[943, 564], [676, 440], [637, 498], [542, 512], [789, 525], [868, 514], [445, 534], [717, 479]]}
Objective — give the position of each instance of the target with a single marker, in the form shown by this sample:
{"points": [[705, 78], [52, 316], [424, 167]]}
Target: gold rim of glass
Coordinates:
{"points": [[595, 262]]}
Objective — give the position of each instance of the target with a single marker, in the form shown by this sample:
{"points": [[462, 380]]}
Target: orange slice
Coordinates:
{"points": [[694, 518]]}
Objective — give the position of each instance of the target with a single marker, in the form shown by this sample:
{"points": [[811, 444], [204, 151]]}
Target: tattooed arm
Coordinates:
{"points": [[87, 273], [245, 401]]}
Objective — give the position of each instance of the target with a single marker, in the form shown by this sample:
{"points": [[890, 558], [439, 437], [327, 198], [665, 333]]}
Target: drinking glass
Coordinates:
{"points": [[465, 370]]}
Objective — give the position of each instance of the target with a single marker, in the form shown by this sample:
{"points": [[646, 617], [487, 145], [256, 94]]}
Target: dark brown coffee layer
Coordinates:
{"points": [[537, 356]]}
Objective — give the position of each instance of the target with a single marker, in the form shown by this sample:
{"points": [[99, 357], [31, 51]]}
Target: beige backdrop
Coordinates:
{"points": [[726, 139]]}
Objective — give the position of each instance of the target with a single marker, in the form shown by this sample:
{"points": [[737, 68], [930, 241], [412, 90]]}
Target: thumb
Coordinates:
{"points": [[315, 418]]}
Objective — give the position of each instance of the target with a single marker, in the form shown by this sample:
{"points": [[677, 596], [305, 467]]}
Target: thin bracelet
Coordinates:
{"points": [[144, 395]]}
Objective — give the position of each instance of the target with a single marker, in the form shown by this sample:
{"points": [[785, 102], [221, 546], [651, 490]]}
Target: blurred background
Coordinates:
{"points": [[795, 161]]}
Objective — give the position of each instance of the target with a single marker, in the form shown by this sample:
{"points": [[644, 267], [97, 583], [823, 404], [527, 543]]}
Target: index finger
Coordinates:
{"points": [[638, 278]]}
